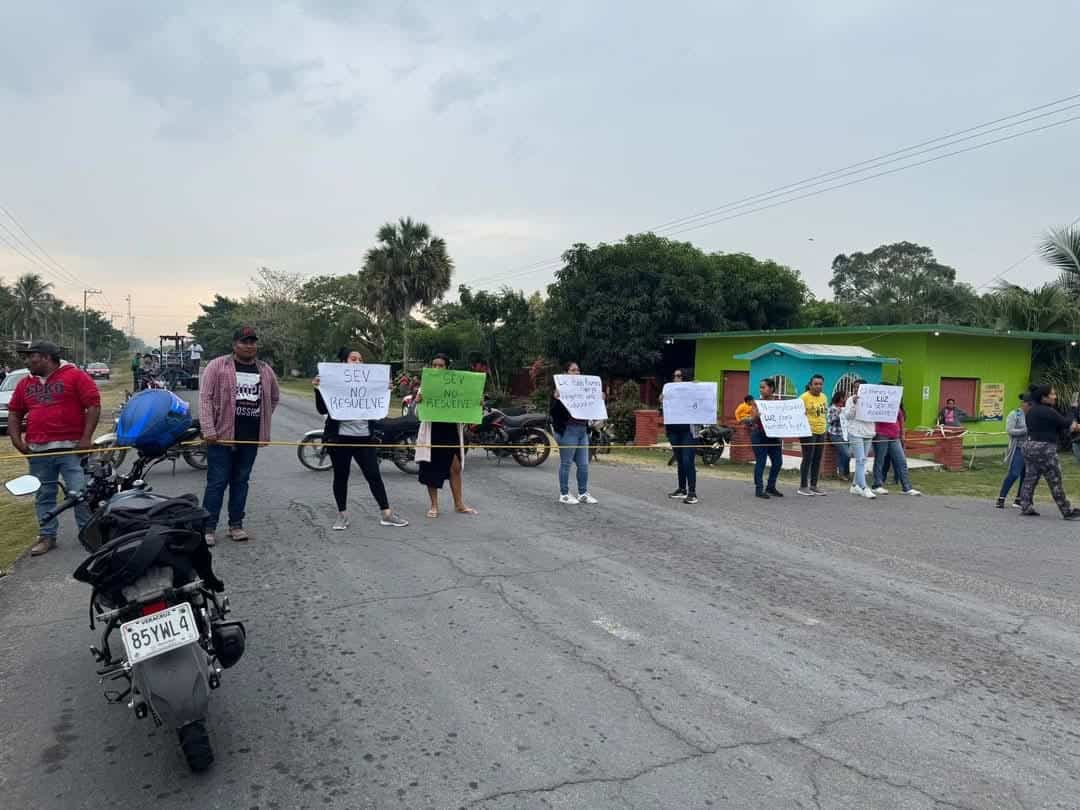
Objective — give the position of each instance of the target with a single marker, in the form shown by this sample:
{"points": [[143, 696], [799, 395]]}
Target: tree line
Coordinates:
{"points": [[30, 310], [611, 304]]}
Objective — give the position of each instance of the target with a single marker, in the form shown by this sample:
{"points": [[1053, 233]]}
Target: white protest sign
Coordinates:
{"points": [[355, 390], [783, 418], [878, 403], [582, 395], [690, 403]]}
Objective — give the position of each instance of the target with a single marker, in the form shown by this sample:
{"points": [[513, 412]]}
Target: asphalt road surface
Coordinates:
{"points": [[815, 653]]}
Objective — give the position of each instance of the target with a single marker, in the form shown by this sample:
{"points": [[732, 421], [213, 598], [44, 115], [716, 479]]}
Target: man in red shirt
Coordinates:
{"points": [[61, 405]]}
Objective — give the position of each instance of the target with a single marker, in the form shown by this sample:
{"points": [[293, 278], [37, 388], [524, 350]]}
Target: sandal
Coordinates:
{"points": [[432, 513], [465, 510], [238, 534]]}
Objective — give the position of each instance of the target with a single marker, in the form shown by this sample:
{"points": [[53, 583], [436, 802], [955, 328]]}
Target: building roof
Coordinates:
{"points": [[905, 328], [818, 351]]}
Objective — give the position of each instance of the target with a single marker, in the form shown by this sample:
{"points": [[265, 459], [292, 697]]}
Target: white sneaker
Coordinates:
{"points": [[568, 499], [855, 490], [585, 497], [913, 492], [342, 523], [880, 491], [868, 493]]}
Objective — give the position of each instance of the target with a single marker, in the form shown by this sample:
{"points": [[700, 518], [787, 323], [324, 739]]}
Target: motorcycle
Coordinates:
{"points": [[191, 448], [520, 437], [397, 438], [710, 444], [600, 439], [153, 585]]}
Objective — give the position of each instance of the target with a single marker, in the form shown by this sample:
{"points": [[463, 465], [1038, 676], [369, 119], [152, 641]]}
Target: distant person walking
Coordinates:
{"points": [[350, 441], [440, 451], [61, 405], [195, 352], [1016, 427], [237, 399], [838, 436], [813, 446], [1045, 426], [682, 441], [766, 449], [860, 441], [572, 436]]}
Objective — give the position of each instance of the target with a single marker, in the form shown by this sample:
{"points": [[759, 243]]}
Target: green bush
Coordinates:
{"points": [[621, 411]]}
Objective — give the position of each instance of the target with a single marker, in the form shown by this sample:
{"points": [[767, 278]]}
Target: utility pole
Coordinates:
{"points": [[85, 294], [130, 322]]}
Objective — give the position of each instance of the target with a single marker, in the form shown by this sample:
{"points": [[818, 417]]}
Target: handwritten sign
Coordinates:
{"points": [[355, 390], [783, 418], [878, 403], [451, 396], [690, 403], [582, 394]]}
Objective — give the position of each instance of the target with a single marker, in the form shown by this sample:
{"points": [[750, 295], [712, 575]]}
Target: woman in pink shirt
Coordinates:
{"points": [[888, 444]]}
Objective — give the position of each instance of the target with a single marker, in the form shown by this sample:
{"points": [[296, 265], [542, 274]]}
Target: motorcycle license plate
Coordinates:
{"points": [[158, 633]]}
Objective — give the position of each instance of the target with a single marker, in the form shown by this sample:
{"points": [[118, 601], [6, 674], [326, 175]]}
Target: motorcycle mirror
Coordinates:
{"points": [[23, 485]]}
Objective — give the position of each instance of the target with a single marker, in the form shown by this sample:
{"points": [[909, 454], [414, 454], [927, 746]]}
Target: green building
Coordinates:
{"points": [[982, 369]]}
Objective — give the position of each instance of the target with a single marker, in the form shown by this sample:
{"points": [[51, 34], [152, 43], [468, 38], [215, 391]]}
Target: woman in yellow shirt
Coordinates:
{"points": [[817, 410]]}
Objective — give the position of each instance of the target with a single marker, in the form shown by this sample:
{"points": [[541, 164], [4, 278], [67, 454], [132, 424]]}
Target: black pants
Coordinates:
{"points": [[360, 449], [812, 449]]}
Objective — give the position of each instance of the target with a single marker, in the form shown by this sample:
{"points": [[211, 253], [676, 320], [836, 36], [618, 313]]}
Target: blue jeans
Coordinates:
{"points": [[1016, 473], [843, 454], [892, 450], [682, 445], [860, 449], [766, 449], [49, 470], [573, 449], [227, 466]]}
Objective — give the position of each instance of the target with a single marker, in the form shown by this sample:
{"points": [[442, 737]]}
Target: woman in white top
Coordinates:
{"points": [[861, 440], [352, 441]]}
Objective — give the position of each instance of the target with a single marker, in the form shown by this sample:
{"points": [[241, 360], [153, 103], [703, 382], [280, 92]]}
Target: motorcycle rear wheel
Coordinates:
{"points": [[196, 457], [313, 455], [532, 449], [405, 458], [195, 743]]}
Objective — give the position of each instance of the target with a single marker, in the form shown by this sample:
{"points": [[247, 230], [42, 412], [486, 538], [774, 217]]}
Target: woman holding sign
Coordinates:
{"points": [[766, 448], [351, 440], [861, 440], [682, 440], [440, 452], [572, 436]]}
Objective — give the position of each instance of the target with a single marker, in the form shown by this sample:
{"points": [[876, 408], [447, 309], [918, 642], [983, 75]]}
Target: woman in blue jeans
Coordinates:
{"points": [[766, 448], [572, 436], [682, 441]]}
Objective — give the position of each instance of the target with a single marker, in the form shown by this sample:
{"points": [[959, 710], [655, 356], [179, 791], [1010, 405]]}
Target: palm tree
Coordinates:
{"points": [[1061, 248], [1044, 309], [32, 301], [408, 268]]}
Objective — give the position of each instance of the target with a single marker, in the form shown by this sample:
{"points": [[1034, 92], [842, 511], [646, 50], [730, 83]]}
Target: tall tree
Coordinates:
{"points": [[408, 268], [214, 328], [758, 294], [1061, 248], [32, 302], [901, 283]]}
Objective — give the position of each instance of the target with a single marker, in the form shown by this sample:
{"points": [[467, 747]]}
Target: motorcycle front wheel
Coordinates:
{"points": [[195, 456], [532, 449], [313, 455], [111, 456], [404, 458]]}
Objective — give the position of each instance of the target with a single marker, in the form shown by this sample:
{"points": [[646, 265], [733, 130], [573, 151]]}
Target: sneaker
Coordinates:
{"points": [[880, 491], [43, 546], [1000, 503], [912, 491], [1072, 514], [210, 538], [804, 491], [817, 491], [692, 498], [568, 499], [868, 493], [341, 524], [678, 495], [585, 497], [1029, 512], [774, 492], [856, 490], [761, 494], [1016, 504], [394, 520]]}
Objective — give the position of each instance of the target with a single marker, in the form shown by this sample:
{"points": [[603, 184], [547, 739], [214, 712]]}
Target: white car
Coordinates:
{"points": [[7, 389]]}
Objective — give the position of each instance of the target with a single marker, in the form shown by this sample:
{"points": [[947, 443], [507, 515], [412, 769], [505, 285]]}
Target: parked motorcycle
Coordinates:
{"points": [[191, 448], [600, 439], [710, 444], [521, 437], [153, 584], [398, 437]]}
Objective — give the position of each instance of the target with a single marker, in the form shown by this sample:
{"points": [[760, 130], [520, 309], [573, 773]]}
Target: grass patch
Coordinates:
{"points": [[17, 514]]}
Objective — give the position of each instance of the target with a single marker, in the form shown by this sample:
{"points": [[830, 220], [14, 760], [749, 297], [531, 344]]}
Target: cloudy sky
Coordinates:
{"points": [[166, 150]]}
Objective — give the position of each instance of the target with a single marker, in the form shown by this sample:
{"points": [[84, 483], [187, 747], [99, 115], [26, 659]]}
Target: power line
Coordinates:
{"points": [[57, 269], [1017, 263], [35, 262]]}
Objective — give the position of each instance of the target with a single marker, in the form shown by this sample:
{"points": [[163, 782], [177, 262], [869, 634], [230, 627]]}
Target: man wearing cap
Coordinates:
{"points": [[237, 396], [61, 405]]}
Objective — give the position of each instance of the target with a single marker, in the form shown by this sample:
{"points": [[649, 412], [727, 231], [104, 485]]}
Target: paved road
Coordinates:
{"points": [[814, 653]]}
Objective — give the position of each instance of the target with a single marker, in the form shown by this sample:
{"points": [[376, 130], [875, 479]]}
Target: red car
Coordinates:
{"points": [[98, 371]]}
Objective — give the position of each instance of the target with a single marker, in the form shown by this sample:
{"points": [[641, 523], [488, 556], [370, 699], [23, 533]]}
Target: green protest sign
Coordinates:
{"points": [[451, 396]]}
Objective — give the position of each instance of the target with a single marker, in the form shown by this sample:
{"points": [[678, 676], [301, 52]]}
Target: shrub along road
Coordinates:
{"points": [[825, 652]]}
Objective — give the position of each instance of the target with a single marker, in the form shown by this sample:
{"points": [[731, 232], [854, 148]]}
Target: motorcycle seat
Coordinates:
{"points": [[526, 420]]}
